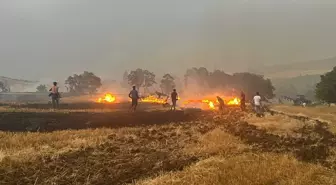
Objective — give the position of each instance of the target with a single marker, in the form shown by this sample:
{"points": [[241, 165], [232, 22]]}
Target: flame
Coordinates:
{"points": [[109, 98], [235, 101], [211, 104], [153, 99]]}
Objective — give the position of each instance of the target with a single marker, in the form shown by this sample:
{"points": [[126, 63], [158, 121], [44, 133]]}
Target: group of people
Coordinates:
{"points": [[134, 95]]}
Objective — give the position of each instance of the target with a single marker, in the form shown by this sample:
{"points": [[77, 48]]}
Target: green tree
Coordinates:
{"points": [[85, 83], [167, 83], [326, 88], [41, 88]]}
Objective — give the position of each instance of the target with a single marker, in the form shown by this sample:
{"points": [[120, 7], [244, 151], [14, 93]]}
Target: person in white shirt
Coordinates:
{"points": [[257, 103], [54, 95]]}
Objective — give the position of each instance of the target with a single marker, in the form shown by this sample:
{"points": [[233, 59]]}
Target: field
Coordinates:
{"points": [[87, 143], [320, 113]]}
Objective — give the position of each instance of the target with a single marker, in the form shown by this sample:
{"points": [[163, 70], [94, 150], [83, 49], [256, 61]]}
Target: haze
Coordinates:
{"points": [[57, 38]]}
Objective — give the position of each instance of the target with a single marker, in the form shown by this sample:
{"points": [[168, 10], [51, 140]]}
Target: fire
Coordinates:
{"points": [[210, 103], [109, 98], [153, 99], [235, 101]]}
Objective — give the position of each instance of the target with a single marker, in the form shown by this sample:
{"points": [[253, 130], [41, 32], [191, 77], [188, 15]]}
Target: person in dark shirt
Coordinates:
{"points": [[242, 101], [174, 98], [134, 95], [221, 103]]}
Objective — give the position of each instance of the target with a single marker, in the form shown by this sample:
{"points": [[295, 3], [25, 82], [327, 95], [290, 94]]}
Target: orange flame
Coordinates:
{"points": [[153, 99], [210, 103], [235, 101], [109, 98]]}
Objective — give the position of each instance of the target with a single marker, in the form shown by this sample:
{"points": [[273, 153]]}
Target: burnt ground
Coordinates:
{"points": [[52, 121], [78, 105]]}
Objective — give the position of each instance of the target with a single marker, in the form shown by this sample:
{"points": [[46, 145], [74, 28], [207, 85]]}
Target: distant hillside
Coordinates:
{"points": [[304, 85], [13, 80], [314, 67]]}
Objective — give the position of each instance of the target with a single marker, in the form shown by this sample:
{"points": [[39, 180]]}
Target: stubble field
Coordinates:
{"points": [[90, 144]]}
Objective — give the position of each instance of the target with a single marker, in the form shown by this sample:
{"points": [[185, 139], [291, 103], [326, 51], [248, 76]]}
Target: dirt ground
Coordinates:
{"points": [[158, 146]]}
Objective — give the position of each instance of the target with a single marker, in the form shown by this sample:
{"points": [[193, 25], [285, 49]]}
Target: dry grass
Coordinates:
{"points": [[29, 146], [322, 113], [117, 156], [216, 142], [247, 169], [277, 124]]}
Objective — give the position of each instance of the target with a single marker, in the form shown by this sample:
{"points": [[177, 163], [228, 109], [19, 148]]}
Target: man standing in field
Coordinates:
{"points": [[134, 95], [257, 104], [242, 101], [174, 98], [54, 95]]}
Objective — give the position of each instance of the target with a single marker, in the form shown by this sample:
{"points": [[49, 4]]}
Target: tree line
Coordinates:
{"points": [[249, 83]]}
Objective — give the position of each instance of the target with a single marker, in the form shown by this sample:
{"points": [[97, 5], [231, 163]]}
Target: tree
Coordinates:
{"points": [[251, 83], [136, 78], [141, 78], [326, 88], [197, 75], [219, 78], [167, 83], [84, 83], [149, 80], [41, 88]]}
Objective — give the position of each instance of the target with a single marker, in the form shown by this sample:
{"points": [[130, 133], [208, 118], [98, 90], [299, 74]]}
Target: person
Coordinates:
{"points": [[134, 95], [174, 98], [257, 104], [221, 103], [242, 101], [54, 95]]}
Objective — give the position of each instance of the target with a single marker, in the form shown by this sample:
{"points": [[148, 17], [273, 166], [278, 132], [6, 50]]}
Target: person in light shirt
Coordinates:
{"points": [[257, 103], [54, 95]]}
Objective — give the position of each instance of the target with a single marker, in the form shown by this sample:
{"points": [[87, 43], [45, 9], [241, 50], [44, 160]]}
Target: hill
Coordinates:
{"points": [[286, 70], [296, 85]]}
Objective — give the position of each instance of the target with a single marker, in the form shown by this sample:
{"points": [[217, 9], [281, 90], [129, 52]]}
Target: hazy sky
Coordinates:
{"points": [[56, 38]]}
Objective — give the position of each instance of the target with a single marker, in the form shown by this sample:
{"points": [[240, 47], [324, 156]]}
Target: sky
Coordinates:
{"points": [[52, 39]]}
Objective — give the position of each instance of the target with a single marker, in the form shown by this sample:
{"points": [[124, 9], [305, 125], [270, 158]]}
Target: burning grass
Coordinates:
{"points": [[108, 98]]}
